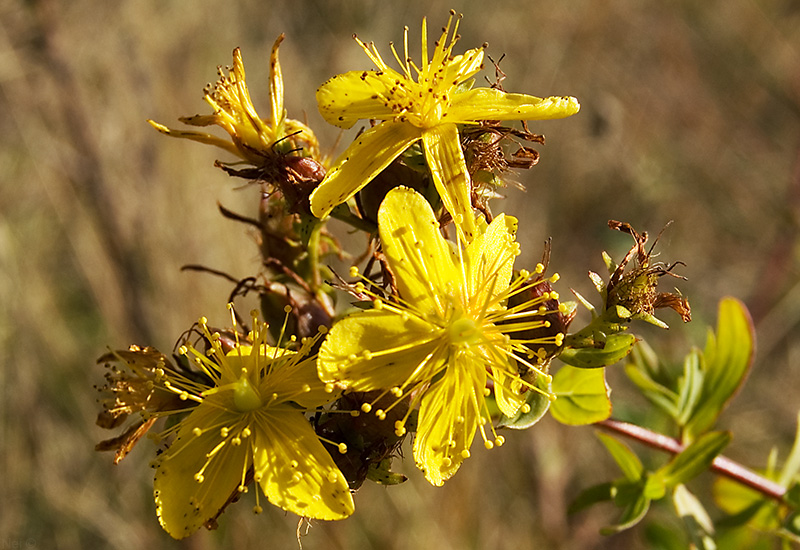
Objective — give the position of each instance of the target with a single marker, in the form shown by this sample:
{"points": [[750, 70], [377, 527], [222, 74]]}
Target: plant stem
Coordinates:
{"points": [[721, 465]]}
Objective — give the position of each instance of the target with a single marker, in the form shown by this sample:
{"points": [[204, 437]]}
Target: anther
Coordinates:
{"points": [[380, 414], [197, 432], [465, 453], [198, 477], [223, 432], [354, 271], [366, 407], [488, 444], [499, 440], [342, 448]]}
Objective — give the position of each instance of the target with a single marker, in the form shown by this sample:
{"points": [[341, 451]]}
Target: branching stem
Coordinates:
{"points": [[721, 466]]}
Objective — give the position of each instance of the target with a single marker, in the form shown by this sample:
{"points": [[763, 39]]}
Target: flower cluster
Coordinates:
{"points": [[448, 339]]}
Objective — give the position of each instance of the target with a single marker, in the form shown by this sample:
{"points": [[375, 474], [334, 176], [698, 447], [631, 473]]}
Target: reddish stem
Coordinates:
{"points": [[721, 465]]}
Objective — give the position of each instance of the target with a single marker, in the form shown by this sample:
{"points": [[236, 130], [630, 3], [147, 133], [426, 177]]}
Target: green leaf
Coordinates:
{"points": [[792, 465], [727, 360], [591, 496], [582, 396], [695, 518], [792, 496], [695, 458], [615, 348], [690, 387], [538, 402], [792, 526], [632, 515], [626, 459]]}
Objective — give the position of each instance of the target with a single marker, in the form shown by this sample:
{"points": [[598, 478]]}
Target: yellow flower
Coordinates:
{"points": [[445, 336], [249, 422], [427, 109], [253, 139]]}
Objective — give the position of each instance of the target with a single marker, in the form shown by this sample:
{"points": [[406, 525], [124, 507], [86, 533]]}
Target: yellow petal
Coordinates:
{"points": [[491, 104], [355, 95], [372, 151], [462, 67], [299, 379], [276, 87], [183, 504], [507, 388], [419, 257], [295, 471], [447, 422], [449, 170], [395, 346], [197, 136], [491, 259]]}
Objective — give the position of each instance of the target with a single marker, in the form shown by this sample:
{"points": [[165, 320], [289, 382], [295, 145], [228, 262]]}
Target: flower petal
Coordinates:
{"points": [[507, 388], [372, 151], [183, 504], [448, 419], [419, 257], [449, 170], [492, 104], [396, 346], [200, 137], [462, 67], [295, 471], [289, 377], [355, 95], [276, 87], [491, 259]]}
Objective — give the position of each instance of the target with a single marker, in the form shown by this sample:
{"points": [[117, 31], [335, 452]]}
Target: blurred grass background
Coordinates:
{"points": [[690, 112]]}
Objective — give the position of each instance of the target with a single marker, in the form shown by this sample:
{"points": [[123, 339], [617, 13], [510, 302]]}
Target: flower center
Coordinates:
{"points": [[245, 396], [464, 332]]}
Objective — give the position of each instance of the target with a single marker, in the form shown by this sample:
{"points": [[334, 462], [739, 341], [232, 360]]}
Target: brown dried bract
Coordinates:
{"points": [[636, 289]]}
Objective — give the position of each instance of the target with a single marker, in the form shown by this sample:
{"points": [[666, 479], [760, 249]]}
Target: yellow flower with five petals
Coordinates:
{"points": [[248, 424], [425, 103], [447, 334]]}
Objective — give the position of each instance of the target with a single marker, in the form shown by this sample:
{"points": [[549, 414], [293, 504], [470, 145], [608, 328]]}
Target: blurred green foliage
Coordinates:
{"points": [[690, 112]]}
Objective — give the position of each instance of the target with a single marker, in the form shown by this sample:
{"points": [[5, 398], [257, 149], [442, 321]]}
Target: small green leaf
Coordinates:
{"points": [[582, 396], [632, 515], [615, 348], [382, 473], [690, 387], [695, 458], [537, 401], [727, 359], [591, 496], [597, 281], [792, 465], [792, 496], [792, 526], [626, 459], [655, 486], [695, 518]]}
